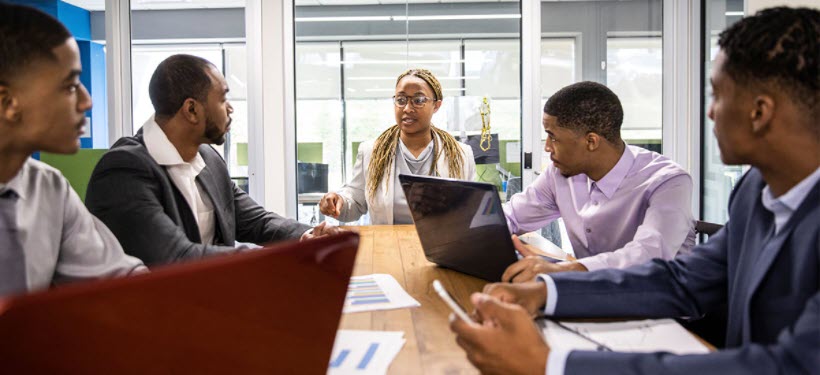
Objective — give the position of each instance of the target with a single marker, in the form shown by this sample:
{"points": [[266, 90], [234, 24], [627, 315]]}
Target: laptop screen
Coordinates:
{"points": [[460, 224]]}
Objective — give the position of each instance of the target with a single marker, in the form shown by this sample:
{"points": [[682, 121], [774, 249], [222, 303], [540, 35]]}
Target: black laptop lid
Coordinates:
{"points": [[461, 225]]}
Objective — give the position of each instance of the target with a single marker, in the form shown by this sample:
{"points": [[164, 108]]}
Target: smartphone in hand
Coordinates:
{"points": [[450, 301]]}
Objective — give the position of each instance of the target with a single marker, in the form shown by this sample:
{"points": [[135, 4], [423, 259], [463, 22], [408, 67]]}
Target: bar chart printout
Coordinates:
{"points": [[364, 352], [376, 292]]}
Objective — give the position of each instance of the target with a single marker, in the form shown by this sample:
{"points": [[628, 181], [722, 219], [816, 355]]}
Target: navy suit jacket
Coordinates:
{"points": [[135, 197], [770, 282]]}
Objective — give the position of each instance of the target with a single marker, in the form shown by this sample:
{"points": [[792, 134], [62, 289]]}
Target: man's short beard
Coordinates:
{"points": [[212, 132]]}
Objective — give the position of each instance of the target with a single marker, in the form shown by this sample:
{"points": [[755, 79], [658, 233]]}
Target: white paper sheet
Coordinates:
{"points": [[364, 352], [548, 248], [632, 336], [376, 292]]}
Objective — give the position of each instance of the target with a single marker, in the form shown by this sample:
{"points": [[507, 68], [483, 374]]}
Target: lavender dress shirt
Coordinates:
{"points": [[640, 210]]}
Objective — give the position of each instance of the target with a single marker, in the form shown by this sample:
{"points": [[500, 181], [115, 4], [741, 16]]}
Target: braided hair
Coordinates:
{"points": [[384, 149], [777, 46]]}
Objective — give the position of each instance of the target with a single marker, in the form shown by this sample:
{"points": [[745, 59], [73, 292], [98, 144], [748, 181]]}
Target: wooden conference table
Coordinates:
{"points": [[430, 346]]}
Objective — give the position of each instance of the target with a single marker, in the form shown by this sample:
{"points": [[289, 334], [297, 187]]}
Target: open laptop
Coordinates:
{"points": [[461, 225], [275, 310]]}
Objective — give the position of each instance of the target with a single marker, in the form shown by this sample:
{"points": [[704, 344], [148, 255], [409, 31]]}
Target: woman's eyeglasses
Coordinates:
{"points": [[418, 101]]}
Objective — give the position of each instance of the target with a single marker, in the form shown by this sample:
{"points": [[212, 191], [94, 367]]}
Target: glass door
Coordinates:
{"points": [[348, 56], [603, 41], [600, 41], [162, 29], [718, 179]]}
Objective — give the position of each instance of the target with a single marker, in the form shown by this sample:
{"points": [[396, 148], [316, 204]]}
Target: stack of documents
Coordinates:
{"points": [[364, 352], [376, 292], [661, 335]]}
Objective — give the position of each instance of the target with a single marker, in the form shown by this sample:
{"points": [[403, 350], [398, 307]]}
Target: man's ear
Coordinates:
{"points": [[762, 113], [9, 105], [593, 141], [190, 110]]}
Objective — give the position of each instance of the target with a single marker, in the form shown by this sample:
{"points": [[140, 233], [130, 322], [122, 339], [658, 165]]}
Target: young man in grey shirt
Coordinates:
{"points": [[47, 235]]}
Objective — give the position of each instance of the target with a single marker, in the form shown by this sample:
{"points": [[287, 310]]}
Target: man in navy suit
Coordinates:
{"points": [[765, 263]]}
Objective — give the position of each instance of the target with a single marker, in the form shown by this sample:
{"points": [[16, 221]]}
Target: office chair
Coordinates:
{"points": [[707, 228], [712, 326]]}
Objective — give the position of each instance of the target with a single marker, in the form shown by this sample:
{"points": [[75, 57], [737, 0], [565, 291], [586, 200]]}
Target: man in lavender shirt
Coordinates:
{"points": [[764, 265], [622, 205]]}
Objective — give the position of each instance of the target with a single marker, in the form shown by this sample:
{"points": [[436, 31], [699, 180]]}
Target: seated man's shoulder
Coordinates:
{"points": [[35, 172], [210, 155], [749, 186], [659, 167], [131, 145], [128, 153]]}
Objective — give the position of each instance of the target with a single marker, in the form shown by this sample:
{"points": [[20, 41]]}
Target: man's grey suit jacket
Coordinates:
{"points": [[135, 197], [770, 281]]}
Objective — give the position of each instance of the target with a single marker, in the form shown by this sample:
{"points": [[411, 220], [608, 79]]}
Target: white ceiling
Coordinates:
{"points": [[204, 4], [162, 4]]}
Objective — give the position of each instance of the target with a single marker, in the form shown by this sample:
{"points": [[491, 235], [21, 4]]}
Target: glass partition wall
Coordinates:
{"points": [[348, 54], [616, 43], [718, 179], [162, 29]]}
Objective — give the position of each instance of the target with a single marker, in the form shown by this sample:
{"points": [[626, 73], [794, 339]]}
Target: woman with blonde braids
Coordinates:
{"points": [[412, 146]]}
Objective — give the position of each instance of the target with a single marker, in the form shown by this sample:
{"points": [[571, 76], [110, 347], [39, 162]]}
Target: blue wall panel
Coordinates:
{"points": [[92, 56], [98, 89], [77, 20]]}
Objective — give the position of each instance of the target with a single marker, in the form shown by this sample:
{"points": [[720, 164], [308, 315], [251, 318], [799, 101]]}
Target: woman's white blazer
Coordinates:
{"points": [[357, 201]]}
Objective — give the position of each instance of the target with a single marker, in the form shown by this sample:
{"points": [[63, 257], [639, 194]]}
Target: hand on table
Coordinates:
{"points": [[533, 264], [321, 230], [532, 296]]}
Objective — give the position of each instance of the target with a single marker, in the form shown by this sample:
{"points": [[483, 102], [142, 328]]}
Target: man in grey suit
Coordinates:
{"points": [[47, 236], [765, 263], [165, 192]]}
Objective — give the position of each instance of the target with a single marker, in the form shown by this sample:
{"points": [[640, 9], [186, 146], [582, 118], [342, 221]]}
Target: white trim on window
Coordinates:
{"points": [[118, 68], [682, 87], [271, 129], [531, 87], [289, 97]]}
